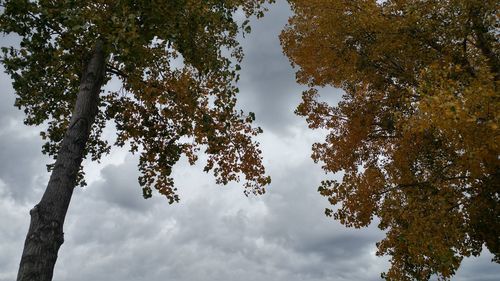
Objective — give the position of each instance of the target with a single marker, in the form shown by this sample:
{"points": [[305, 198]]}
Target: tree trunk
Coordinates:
{"points": [[45, 234]]}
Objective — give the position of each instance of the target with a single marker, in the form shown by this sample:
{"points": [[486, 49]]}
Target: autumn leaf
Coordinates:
{"points": [[416, 135]]}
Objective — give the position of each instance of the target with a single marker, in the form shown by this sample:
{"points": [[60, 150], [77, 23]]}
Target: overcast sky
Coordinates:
{"points": [[214, 233]]}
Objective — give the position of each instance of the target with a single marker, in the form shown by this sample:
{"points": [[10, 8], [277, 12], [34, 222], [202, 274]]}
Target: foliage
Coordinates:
{"points": [[416, 136], [175, 62]]}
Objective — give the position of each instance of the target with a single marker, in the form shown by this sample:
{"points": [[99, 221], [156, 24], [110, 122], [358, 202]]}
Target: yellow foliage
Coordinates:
{"points": [[416, 135]]}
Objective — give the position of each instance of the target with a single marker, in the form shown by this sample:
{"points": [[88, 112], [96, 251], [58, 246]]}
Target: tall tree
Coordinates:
{"points": [[174, 60], [416, 137]]}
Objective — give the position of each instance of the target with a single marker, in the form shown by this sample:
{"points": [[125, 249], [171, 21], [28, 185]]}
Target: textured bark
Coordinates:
{"points": [[45, 235]]}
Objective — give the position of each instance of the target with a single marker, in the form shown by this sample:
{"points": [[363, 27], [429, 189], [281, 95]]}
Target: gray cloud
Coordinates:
{"points": [[214, 234], [267, 80], [22, 166], [119, 186]]}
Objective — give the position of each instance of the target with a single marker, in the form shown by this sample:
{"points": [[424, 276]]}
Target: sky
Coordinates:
{"points": [[215, 232]]}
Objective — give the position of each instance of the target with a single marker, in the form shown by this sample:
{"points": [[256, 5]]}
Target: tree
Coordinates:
{"points": [[177, 62], [416, 136]]}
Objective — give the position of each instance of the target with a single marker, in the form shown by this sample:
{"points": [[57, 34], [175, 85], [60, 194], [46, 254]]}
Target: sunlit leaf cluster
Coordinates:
{"points": [[177, 64], [416, 136]]}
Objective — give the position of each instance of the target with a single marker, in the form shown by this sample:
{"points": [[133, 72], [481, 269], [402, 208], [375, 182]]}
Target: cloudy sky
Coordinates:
{"points": [[214, 233]]}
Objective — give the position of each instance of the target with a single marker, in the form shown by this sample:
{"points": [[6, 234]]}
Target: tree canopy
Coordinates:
{"points": [[416, 137], [177, 62]]}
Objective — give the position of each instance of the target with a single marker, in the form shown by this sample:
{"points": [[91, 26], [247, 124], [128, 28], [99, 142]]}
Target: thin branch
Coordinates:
{"points": [[111, 69]]}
